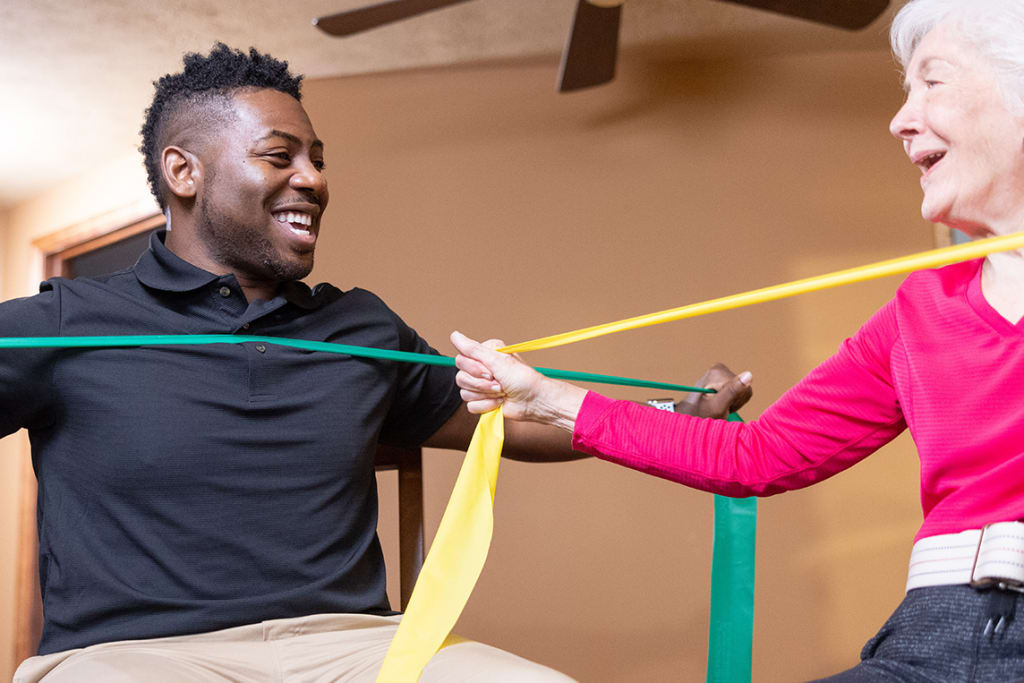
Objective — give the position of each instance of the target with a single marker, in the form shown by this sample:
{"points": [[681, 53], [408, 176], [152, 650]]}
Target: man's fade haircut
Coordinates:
{"points": [[202, 91]]}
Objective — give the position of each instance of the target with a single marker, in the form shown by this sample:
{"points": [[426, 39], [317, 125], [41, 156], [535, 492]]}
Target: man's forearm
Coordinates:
{"points": [[532, 442], [526, 441]]}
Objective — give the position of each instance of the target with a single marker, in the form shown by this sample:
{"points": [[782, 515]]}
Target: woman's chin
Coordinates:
{"points": [[934, 212]]}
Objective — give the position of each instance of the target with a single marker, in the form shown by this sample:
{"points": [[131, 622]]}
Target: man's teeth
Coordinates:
{"points": [[294, 217]]}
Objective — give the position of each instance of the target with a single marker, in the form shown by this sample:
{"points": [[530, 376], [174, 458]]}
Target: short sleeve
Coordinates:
{"points": [[26, 388], [425, 395]]}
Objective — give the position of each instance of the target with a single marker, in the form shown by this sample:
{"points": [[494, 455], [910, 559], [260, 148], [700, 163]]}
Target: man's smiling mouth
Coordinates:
{"points": [[298, 222]]}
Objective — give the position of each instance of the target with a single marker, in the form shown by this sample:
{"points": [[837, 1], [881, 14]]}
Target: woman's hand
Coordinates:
{"points": [[489, 378]]}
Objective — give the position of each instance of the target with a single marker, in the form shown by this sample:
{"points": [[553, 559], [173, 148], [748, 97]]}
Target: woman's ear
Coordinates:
{"points": [[182, 171]]}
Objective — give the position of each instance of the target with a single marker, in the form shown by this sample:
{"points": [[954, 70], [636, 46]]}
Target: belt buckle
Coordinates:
{"points": [[993, 581]]}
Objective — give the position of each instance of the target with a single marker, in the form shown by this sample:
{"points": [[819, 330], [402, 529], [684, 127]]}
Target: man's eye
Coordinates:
{"points": [[319, 165], [284, 156]]}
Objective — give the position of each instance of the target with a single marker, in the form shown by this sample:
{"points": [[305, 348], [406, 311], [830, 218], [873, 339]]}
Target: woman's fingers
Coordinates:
{"points": [[489, 378], [483, 405], [473, 349], [483, 353], [472, 367], [481, 359], [470, 395], [478, 384], [473, 373]]}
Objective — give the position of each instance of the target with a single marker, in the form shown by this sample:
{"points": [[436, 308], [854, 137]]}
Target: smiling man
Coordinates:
{"points": [[248, 200], [209, 512]]}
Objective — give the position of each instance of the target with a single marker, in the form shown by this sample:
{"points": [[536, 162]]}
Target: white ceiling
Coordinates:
{"points": [[77, 75]]}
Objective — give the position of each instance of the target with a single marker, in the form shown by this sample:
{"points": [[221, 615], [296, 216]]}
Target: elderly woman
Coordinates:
{"points": [[948, 335]]}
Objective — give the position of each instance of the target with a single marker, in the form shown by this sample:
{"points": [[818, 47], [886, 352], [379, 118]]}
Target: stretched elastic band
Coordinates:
{"points": [[328, 347], [904, 264]]}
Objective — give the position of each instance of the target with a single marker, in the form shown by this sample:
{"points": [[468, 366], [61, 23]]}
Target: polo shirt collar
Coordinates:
{"points": [[161, 268], [301, 295]]}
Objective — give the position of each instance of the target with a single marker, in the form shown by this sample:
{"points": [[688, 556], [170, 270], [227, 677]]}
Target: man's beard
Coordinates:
{"points": [[243, 248]]}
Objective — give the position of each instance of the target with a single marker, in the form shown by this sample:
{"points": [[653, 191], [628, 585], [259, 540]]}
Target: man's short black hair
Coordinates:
{"points": [[206, 82]]}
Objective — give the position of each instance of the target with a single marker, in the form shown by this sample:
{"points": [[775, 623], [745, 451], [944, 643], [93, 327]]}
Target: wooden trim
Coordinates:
{"points": [[64, 245], [95, 228], [410, 521], [409, 463], [55, 249], [28, 604], [144, 225]]}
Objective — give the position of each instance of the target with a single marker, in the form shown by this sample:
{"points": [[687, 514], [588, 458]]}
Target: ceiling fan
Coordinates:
{"points": [[589, 56]]}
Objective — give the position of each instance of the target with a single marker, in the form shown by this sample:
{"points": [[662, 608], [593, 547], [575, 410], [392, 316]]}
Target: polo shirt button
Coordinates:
{"points": [[261, 348], [225, 291]]}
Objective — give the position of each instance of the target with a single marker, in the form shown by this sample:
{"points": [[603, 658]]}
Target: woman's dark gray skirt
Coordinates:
{"points": [[946, 633]]}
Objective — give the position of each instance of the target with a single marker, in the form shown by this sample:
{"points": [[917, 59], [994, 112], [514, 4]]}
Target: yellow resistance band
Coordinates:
{"points": [[904, 264], [460, 547], [455, 560]]}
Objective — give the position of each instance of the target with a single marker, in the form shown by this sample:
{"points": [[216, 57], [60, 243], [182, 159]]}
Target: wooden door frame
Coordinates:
{"points": [[53, 252]]}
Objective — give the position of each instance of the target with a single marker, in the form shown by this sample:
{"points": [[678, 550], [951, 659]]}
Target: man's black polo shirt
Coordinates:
{"points": [[184, 489]]}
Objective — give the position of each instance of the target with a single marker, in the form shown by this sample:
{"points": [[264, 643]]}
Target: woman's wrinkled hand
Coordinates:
{"points": [[488, 379]]}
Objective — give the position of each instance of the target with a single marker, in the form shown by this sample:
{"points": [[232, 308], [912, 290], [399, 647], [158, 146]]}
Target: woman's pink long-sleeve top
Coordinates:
{"points": [[937, 359]]}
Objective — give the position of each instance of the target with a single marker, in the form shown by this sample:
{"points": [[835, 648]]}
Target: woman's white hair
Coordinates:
{"points": [[995, 28]]}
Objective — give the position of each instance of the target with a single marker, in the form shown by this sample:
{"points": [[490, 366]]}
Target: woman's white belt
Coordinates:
{"points": [[979, 557]]}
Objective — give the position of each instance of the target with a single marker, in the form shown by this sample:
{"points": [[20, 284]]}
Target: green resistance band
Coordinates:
{"points": [[731, 623], [360, 351], [732, 569]]}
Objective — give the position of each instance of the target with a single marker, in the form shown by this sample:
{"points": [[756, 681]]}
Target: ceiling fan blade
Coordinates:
{"points": [[363, 19], [849, 14], [589, 56]]}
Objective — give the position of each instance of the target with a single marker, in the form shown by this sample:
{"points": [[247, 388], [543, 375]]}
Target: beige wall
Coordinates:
{"points": [[8, 506], [4, 219], [477, 198]]}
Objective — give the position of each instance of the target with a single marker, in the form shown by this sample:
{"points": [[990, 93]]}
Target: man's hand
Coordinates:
{"points": [[733, 391]]}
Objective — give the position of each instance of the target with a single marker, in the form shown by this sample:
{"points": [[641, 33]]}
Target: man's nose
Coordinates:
{"points": [[308, 177]]}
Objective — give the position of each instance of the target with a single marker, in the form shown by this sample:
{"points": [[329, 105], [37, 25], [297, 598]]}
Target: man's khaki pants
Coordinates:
{"points": [[323, 647]]}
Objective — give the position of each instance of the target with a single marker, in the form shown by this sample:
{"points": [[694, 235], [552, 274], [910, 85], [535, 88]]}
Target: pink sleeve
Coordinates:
{"points": [[844, 410]]}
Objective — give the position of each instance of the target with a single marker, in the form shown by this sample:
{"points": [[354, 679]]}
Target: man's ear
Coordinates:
{"points": [[182, 171]]}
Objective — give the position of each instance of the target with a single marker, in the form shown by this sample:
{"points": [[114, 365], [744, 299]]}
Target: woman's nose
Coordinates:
{"points": [[906, 123]]}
